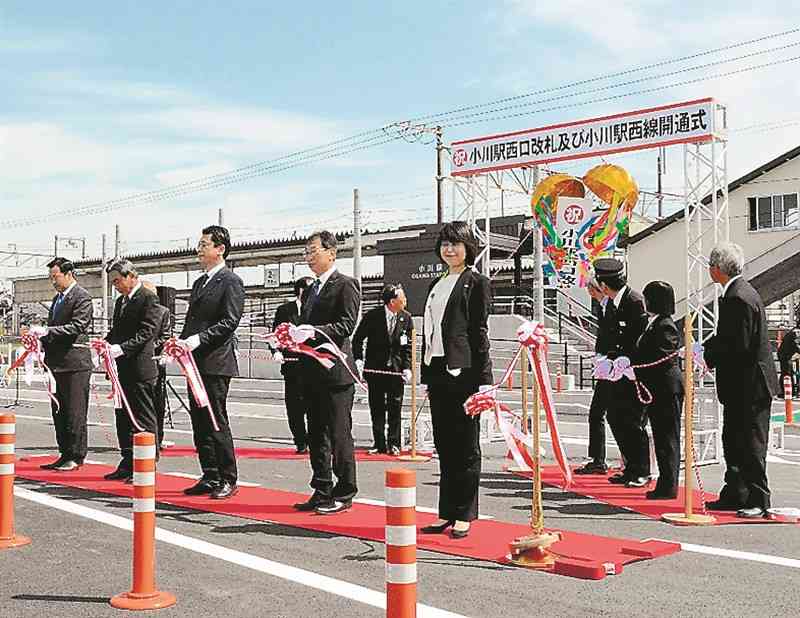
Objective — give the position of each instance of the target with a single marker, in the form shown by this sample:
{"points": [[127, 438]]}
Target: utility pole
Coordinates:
{"points": [[357, 240], [220, 218], [116, 241], [439, 177], [104, 284], [188, 246], [83, 248], [55, 247]]}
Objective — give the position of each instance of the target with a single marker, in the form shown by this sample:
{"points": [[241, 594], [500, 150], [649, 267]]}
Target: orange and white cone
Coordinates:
{"points": [[787, 399], [144, 595], [401, 543], [8, 537]]}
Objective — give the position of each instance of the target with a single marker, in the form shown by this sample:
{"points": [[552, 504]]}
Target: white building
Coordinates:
{"points": [[763, 210]]}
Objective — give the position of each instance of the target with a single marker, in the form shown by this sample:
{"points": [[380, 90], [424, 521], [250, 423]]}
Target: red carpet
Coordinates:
{"points": [[272, 453], [579, 555], [597, 487]]}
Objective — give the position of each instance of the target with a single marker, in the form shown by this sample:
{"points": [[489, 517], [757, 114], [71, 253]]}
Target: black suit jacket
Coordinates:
{"points": [[287, 312], [214, 314], [657, 342], [383, 347], [135, 327], [628, 322], [164, 321], [465, 329], [606, 329], [740, 351], [67, 327], [335, 313]]}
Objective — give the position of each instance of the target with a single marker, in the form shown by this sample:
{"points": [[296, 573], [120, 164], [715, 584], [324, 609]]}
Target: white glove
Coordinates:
{"points": [[191, 343], [454, 372], [485, 387], [39, 331], [407, 376], [277, 356], [116, 351], [306, 330], [360, 366]]}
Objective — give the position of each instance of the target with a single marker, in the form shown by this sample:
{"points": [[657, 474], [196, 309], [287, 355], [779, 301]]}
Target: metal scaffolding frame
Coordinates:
{"points": [[706, 220]]}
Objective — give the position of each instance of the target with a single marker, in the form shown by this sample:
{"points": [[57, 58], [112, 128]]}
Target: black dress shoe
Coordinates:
{"points": [[394, 451], [656, 494], [67, 466], [203, 486], [53, 464], [638, 481], [312, 503], [118, 475], [224, 491], [722, 505], [436, 528], [753, 512], [335, 506], [301, 450], [618, 479], [592, 467]]}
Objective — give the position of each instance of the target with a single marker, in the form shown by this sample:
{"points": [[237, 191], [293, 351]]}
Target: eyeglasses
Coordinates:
{"points": [[313, 251], [204, 244], [446, 244]]}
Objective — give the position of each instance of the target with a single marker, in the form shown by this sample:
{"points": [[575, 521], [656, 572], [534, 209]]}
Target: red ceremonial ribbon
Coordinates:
{"points": [[533, 340], [101, 351], [173, 351], [33, 351], [284, 337]]}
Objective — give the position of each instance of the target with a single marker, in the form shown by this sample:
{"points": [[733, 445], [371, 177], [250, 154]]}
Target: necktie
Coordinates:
{"points": [[203, 280], [392, 321], [313, 296], [57, 303]]}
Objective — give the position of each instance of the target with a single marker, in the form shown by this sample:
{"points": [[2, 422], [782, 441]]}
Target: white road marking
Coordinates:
{"points": [[287, 572], [737, 554]]}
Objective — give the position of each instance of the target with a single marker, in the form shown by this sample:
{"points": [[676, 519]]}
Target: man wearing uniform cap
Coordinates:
{"points": [[626, 414]]}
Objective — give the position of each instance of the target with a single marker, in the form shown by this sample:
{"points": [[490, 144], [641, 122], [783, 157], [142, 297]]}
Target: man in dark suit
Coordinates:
{"points": [[296, 406], [68, 320], [746, 383], [387, 331], [787, 350], [330, 305], [133, 331], [626, 414], [164, 321], [215, 309], [601, 397]]}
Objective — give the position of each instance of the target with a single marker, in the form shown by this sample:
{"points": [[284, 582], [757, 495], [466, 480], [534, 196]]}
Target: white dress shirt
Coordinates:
{"points": [[618, 298], [323, 278], [210, 273], [727, 285], [434, 313]]}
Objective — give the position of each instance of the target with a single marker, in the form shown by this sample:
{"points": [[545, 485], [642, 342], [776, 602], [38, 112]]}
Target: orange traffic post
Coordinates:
{"points": [[144, 595], [787, 398], [401, 543], [8, 537]]}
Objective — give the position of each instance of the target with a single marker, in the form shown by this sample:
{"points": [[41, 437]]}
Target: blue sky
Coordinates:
{"points": [[106, 100]]}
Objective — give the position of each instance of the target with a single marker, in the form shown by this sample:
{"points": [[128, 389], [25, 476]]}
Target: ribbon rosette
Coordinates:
{"points": [[507, 421], [32, 353], [101, 354], [175, 352]]}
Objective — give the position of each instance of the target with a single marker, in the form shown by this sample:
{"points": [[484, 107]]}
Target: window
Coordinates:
{"points": [[772, 211]]}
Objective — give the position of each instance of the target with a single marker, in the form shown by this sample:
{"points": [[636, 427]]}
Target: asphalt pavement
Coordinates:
{"points": [[218, 565]]}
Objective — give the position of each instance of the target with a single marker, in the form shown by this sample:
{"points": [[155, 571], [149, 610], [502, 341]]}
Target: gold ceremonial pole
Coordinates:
{"points": [[688, 517], [413, 456], [523, 367], [531, 551]]}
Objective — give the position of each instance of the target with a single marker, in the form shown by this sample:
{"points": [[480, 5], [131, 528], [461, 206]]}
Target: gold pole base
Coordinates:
{"points": [[531, 551], [695, 519], [410, 457]]}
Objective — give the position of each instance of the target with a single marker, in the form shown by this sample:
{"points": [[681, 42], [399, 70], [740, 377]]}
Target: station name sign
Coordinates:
{"points": [[679, 123]]}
